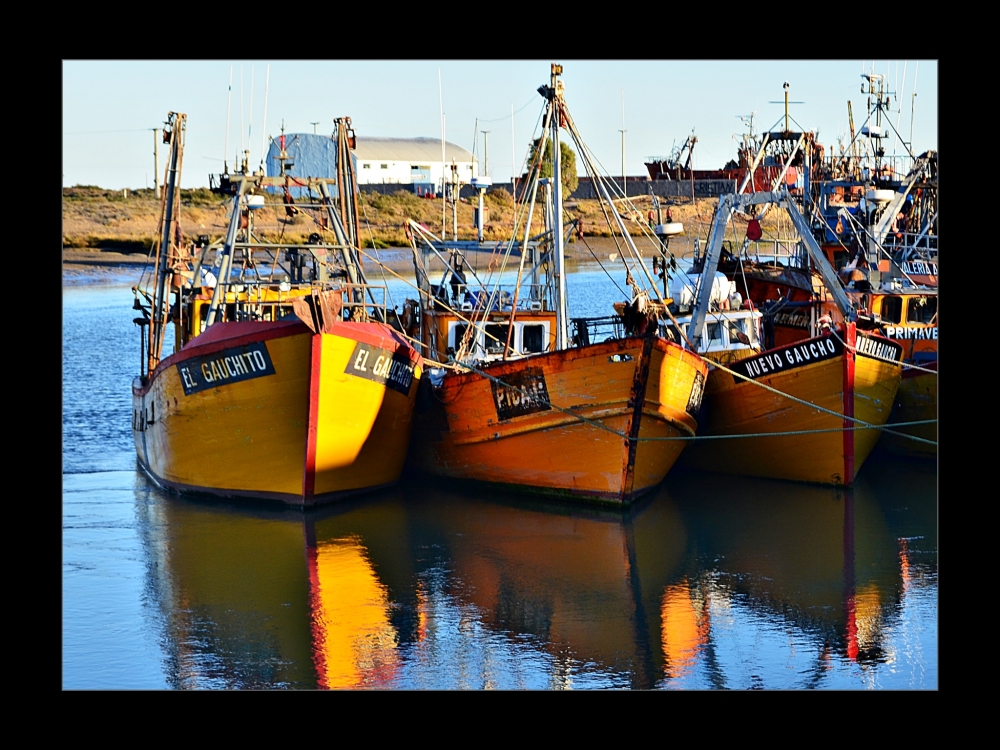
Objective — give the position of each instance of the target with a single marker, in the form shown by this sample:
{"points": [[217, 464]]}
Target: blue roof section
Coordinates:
{"points": [[311, 155]]}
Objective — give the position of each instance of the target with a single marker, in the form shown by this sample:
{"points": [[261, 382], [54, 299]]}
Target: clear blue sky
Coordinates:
{"points": [[110, 107]]}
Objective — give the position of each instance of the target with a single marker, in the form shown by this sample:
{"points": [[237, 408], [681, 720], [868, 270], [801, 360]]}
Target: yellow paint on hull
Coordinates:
{"points": [[578, 448], [916, 401], [251, 438], [363, 428], [738, 407]]}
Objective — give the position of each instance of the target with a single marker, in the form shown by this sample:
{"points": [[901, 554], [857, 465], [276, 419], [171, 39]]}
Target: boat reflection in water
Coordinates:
{"points": [[717, 582]]}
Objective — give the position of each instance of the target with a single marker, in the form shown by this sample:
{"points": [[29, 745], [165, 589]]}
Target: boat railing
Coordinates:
{"points": [[466, 298], [863, 167], [588, 331], [249, 298], [784, 252]]}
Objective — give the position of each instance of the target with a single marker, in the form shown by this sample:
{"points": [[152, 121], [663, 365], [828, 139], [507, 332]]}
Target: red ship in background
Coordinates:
{"points": [[773, 159]]}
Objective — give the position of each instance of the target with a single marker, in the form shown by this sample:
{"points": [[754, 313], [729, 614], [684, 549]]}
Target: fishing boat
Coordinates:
{"points": [[602, 413], [877, 220], [809, 411], [874, 217], [286, 381]]}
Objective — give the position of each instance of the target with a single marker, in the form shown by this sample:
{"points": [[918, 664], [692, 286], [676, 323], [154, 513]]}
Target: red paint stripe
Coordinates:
{"points": [[849, 356], [317, 625], [238, 333], [199, 347], [376, 334], [309, 476]]}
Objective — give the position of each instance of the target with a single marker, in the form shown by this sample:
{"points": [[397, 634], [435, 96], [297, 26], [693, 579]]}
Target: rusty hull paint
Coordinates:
{"points": [[580, 448]]}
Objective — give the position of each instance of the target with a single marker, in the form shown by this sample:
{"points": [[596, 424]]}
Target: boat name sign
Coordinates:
{"points": [[920, 268], [521, 393], [225, 367], [879, 348], [808, 352], [697, 393], [914, 332], [380, 366]]}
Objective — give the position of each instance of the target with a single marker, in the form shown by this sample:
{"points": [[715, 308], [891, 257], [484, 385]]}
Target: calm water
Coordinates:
{"points": [[712, 582]]}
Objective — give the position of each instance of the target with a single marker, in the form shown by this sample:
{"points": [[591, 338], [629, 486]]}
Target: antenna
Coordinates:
{"points": [[444, 207], [513, 156], [242, 150], [486, 152], [229, 109], [785, 86], [622, 131], [250, 124], [314, 124], [156, 163], [263, 130]]}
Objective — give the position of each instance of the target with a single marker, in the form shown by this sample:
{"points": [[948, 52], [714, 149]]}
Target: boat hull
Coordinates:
{"points": [[597, 426], [272, 410], [823, 448], [916, 401]]}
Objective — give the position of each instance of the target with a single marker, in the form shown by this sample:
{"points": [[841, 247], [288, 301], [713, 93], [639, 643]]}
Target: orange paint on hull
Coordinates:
{"points": [[603, 394], [273, 411]]}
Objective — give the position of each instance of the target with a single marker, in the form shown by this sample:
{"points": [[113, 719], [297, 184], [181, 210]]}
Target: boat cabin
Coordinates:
{"points": [[909, 318], [731, 335]]}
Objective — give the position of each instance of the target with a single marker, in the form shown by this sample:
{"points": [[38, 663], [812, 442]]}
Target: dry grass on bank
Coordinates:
{"points": [[127, 221]]}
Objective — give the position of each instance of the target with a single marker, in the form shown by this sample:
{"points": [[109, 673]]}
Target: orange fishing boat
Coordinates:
{"points": [[286, 381], [809, 411], [523, 403]]}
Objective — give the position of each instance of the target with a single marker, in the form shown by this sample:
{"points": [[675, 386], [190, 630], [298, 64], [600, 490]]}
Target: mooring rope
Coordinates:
{"points": [[861, 425], [905, 365]]}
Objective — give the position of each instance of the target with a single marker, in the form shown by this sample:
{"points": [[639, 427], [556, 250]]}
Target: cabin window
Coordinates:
{"points": [[383, 166], [458, 333], [715, 333], [738, 331], [496, 338], [366, 166], [921, 309], [532, 338], [891, 310]]}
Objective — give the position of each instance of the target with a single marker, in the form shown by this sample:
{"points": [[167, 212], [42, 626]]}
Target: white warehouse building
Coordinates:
{"points": [[403, 161]]}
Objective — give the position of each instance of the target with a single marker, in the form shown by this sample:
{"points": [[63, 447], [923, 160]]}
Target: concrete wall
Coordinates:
{"points": [[660, 188], [585, 190]]}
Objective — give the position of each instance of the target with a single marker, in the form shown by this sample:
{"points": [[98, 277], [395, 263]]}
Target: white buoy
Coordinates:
{"points": [[880, 196], [669, 230]]}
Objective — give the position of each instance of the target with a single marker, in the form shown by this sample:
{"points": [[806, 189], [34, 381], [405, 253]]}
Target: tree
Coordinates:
{"points": [[568, 165]]}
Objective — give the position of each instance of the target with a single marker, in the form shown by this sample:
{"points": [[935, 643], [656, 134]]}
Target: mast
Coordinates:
{"points": [[346, 228], [167, 250], [346, 180], [554, 93]]}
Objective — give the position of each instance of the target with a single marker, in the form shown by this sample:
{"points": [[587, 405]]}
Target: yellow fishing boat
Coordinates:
{"points": [[809, 411], [523, 403], [908, 315], [286, 381], [800, 407]]}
